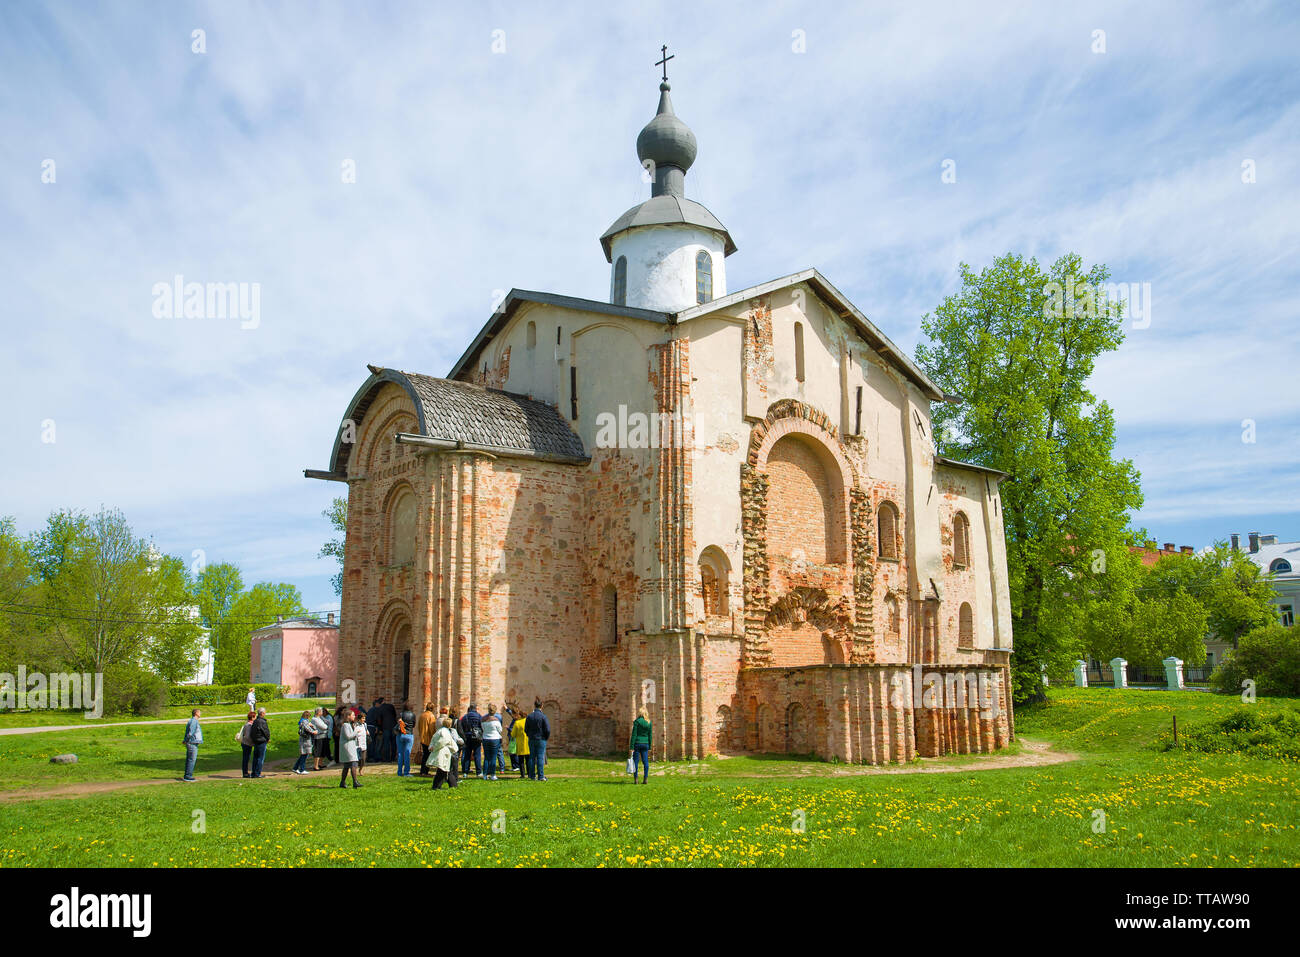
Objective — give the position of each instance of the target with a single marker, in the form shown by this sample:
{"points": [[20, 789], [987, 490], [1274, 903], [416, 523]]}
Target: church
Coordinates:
{"points": [[725, 507]]}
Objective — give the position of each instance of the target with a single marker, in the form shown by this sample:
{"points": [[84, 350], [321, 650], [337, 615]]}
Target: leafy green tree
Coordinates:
{"points": [[337, 514], [256, 608], [1269, 656], [175, 649], [104, 593], [1018, 345], [20, 638], [1132, 612], [217, 588]]}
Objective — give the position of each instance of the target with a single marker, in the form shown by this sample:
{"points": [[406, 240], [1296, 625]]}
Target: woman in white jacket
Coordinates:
{"points": [[443, 750], [349, 751]]}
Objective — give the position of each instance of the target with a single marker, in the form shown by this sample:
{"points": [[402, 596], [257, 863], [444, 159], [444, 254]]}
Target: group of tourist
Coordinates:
{"points": [[449, 743]]}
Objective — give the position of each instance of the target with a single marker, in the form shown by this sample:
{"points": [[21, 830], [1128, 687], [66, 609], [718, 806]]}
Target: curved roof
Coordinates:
{"points": [[471, 415], [664, 211]]}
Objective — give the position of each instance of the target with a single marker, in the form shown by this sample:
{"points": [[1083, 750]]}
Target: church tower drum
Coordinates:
{"points": [[667, 253]]}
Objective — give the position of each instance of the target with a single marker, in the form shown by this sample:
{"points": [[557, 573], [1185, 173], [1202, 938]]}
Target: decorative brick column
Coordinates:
{"points": [[753, 522], [864, 575]]}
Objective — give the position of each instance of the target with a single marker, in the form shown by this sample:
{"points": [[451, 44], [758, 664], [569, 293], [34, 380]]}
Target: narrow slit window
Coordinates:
{"points": [[857, 414], [573, 393], [703, 277], [619, 297], [798, 351], [532, 335]]}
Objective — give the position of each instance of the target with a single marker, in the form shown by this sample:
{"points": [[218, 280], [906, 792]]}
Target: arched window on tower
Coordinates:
{"points": [[400, 524], [893, 620], [965, 626], [887, 531], [714, 570], [531, 341], [703, 276], [960, 541], [619, 295]]}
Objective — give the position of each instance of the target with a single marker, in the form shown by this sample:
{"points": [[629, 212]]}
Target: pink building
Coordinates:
{"points": [[301, 653]]}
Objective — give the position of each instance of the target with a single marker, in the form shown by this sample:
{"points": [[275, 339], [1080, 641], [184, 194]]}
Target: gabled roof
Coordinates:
{"points": [[461, 414], [842, 307], [521, 297], [835, 299]]}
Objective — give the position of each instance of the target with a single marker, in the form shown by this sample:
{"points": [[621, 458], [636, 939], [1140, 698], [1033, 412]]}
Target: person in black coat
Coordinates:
{"points": [[261, 737], [388, 728], [538, 730]]}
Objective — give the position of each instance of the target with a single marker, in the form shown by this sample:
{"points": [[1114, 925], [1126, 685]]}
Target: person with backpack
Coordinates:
{"points": [[519, 736], [306, 742], [331, 737], [193, 738], [245, 738], [538, 730], [639, 744], [405, 740], [491, 728], [320, 738], [350, 732], [261, 737], [471, 730]]}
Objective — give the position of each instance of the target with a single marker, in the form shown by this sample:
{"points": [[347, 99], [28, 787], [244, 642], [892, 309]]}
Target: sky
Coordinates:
{"points": [[490, 147]]}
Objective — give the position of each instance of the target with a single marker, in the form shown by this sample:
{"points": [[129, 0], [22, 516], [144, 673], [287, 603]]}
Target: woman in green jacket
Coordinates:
{"points": [[639, 745]]}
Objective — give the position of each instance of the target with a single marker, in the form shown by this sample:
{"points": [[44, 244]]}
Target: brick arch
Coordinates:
{"points": [[787, 416], [394, 635], [817, 608]]}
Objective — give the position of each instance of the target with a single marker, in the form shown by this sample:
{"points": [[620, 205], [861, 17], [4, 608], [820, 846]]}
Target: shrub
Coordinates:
{"points": [[1270, 656], [194, 696], [132, 690], [1245, 731]]}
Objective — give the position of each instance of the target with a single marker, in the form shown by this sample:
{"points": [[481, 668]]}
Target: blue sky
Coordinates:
{"points": [[477, 171]]}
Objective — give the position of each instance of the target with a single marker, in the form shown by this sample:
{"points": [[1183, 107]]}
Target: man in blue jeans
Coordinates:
{"points": [[193, 738], [538, 730], [261, 736], [471, 729]]}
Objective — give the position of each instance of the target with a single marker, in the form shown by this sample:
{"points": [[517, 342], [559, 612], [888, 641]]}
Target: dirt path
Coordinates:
{"points": [[1034, 754], [271, 770]]}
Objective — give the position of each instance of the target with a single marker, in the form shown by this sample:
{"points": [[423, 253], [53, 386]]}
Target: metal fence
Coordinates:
{"points": [[1102, 675]]}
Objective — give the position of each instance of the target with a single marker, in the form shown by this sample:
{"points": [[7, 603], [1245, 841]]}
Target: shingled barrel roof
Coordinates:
{"points": [[470, 416]]}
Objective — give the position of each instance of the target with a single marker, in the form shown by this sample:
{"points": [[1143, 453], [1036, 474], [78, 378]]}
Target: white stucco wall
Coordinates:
{"points": [[661, 265]]}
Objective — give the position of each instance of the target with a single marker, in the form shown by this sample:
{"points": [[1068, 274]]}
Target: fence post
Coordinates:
{"points": [[1174, 673], [1120, 669], [1080, 674]]}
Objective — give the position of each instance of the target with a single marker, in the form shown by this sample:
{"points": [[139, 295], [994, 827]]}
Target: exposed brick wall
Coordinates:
{"points": [[505, 598]]}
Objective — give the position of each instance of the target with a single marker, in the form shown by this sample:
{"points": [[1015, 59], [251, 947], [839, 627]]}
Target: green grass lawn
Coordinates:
{"points": [[1161, 808]]}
